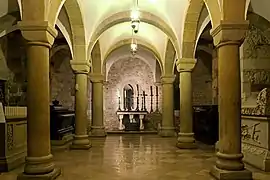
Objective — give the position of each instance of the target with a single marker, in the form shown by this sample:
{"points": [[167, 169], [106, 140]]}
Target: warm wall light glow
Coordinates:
{"points": [[135, 14]]}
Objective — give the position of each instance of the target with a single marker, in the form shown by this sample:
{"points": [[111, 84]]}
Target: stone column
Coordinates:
{"points": [[81, 70], [185, 138], [227, 38], [97, 128], [39, 161], [167, 125]]}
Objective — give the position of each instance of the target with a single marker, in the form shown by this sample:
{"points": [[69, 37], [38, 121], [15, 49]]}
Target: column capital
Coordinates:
{"points": [[229, 32], [96, 78], [167, 79], [80, 67], [186, 64], [38, 31]]}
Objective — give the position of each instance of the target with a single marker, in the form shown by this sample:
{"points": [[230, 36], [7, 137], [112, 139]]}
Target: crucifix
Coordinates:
{"points": [[138, 95], [157, 110]]}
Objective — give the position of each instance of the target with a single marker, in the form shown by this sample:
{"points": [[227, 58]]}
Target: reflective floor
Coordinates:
{"points": [[135, 157]]}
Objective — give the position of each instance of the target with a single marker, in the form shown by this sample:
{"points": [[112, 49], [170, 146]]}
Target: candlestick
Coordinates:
{"points": [[157, 110], [119, 104], [138, 92], [151, 99], [137, 107], [125, 100], [144, 104]]}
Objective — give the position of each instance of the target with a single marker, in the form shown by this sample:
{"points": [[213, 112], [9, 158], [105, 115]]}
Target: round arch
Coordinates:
{"points": [[140, 42], [191, 23], [74, 14], [124, 16]]}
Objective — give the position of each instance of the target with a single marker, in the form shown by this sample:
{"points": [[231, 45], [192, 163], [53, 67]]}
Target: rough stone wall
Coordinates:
{"points": [[122, 72], [63, 84], [202, 80]]}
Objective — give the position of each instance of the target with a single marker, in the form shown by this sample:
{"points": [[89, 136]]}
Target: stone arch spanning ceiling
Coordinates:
{"points": [[141, 43], [64, 26], [9, 15], [123, 52], [193, 15], [8, 23], [73, 8], [259, 7], [148, 34], [8, 6], [146, 17]]}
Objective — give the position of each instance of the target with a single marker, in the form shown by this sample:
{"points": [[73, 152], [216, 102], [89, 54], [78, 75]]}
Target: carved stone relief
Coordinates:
{"points": [[10, 142], [251, 132], [258, 76], [256, 43], [254, 150], [263, 105]]}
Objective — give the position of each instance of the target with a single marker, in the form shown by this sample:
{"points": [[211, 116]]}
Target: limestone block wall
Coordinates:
{"points": [[122, 72], [63, 84], [255, 59], [202, 82]]}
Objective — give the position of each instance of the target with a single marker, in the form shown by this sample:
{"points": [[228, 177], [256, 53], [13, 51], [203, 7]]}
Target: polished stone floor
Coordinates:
{"points": [[135, 157]]}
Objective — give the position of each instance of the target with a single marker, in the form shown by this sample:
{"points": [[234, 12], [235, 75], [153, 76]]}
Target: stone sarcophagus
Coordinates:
{"points": [[13, 137], [255, 131]]}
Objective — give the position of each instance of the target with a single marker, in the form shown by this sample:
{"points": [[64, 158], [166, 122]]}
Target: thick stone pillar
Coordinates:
{"points": [[227, 38], [39, 161], [97, 128], [167, 125], [81, 70], [185, 138]]}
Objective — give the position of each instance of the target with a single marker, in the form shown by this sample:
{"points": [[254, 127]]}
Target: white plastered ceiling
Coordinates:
{"points": [[147, 33], [170, 11]]}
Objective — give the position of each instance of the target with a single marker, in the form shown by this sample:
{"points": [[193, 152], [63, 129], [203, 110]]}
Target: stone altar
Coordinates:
{"points": [[255, 131], [131, 115]]}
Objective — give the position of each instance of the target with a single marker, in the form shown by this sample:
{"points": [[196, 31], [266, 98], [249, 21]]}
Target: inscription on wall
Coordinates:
{"points": [[251, 132]]}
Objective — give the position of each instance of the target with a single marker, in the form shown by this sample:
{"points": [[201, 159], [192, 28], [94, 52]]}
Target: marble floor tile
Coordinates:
{"points": [[135, 157]]}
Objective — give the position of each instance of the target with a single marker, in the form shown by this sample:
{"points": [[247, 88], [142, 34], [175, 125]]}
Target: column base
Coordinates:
{"points": [[50, 176], [186, 141], [81, 142], [231, 175], [98, 131], [167, 132]]}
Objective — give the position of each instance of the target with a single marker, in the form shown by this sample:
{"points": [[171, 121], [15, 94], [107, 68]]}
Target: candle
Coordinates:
{"points": [[156, 90]]}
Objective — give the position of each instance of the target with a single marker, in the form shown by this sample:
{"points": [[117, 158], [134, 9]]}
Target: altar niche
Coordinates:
{"points": [[132, 117], [128, 94]]}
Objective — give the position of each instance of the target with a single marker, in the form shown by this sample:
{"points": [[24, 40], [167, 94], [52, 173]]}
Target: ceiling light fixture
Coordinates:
{"points": [[133, 45], [135, 18]]}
